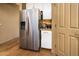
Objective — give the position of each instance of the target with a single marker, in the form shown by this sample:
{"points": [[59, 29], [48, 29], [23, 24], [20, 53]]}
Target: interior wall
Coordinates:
{"points": [[9, 22], [45, 7]]}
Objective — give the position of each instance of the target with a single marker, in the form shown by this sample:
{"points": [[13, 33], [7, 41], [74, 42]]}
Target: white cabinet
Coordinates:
{"points": [[46, 8], [46, 39]]}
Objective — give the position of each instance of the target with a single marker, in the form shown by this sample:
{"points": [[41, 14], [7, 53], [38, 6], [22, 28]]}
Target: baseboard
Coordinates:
{"points": [[53, 52], [9, 44], [12, 40]]}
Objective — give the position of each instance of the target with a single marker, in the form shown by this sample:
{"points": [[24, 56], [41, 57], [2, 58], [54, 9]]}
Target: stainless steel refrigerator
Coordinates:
{"points": [[29, 29]]}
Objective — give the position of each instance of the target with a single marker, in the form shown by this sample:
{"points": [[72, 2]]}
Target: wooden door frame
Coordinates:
{"points": [[54, 29]]}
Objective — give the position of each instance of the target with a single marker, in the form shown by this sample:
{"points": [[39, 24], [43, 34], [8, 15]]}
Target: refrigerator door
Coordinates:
{"points": [[29, 40], [36, 29], [33, 41]]}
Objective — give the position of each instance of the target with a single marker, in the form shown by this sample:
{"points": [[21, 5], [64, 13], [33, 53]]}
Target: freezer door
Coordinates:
{"points": [[23, 30]]}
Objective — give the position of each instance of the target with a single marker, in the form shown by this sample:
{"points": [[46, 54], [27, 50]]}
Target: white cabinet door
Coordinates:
{"points": [[46, 39]]}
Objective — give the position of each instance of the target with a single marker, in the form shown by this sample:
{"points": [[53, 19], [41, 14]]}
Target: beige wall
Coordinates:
{"points": [[9, 22]]}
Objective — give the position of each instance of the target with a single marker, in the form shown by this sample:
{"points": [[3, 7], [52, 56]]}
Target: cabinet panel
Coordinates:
{"points": [[61, 15], [66, 15], [74, 15], [74, 46], [46, 39], [61, 38], [54, 11]]}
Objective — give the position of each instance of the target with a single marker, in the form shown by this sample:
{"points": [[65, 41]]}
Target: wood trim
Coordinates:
{"points": [[10, 41], [9, 44]]}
